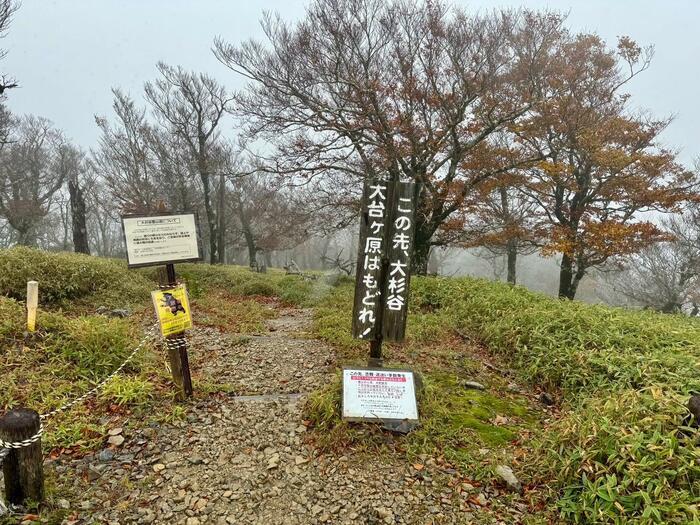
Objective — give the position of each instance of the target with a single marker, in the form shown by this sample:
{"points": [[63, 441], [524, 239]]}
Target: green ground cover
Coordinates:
{"points": [[620, 452]]}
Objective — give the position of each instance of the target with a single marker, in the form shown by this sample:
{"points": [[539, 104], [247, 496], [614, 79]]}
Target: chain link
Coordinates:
{"points": [[6, 447]]}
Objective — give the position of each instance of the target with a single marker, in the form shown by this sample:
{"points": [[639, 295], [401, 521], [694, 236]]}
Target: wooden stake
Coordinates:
{"points": [[32, 304], [177, 348], [23, 467]]}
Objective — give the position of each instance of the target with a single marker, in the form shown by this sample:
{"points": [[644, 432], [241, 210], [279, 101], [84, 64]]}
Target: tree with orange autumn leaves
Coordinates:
{"points": [[602, 165], [471, 107]]}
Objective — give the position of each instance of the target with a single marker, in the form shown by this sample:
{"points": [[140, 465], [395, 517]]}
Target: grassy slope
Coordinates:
{"points": [[619, 452], [469, 430]]}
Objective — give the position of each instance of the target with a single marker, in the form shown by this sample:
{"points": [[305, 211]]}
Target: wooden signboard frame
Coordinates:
{"points": [[165, 260]]}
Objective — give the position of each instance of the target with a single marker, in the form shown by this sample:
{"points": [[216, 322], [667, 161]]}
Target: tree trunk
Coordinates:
{"points": [[671, 307], [106, 251], [222, 219], [512, 255], [247, 234], [78, 218], [421, 256], [566, 276], [26, 236], [568, 279], [211, 218], [252, 249]]}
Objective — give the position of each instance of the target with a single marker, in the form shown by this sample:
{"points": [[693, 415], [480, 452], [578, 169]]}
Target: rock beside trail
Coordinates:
{"points": [[507, 475], [117, 312], [546, 399]]}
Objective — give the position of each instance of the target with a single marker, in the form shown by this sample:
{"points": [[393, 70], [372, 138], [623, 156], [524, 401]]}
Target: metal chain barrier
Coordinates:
{"points": [[6, 447]]}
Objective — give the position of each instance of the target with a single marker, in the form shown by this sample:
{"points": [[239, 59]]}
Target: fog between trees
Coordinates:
{"points": [[519, 132]]}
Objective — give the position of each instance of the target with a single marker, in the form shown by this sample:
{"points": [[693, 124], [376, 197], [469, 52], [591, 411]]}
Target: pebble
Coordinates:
{"points": [[116, 440], [507, 475]]}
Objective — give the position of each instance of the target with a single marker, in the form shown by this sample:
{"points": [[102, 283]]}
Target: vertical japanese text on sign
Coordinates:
{"points": [[368, 287], [399, 249]]}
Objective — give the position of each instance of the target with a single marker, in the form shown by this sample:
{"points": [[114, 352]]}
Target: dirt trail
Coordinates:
{"points": [[243, 458]]}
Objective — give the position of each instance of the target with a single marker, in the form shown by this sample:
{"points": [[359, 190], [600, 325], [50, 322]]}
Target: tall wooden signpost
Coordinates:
{"points": [[387, 228], [383, 264], [166, 239]]}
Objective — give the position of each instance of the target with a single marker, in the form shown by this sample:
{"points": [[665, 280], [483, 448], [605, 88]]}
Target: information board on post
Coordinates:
{"points": [[161, 239], [379, 395]]}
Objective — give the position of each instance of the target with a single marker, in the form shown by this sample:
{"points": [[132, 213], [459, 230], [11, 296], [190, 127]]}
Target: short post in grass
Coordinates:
{"points": [[32, 304], [176, 344], [23, 467], [166, 238]]}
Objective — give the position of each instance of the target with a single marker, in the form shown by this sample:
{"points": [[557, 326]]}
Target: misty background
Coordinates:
{"points": [[67, 55]]}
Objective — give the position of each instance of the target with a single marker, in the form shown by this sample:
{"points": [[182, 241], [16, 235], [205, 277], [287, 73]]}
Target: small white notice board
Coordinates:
{"points": [[379, 394], [161, 239]]}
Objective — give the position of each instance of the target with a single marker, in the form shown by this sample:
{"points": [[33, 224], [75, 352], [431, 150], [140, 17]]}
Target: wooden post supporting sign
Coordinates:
{"points": [[383, 264], [176, 346], [164, 239], [23, 467]]}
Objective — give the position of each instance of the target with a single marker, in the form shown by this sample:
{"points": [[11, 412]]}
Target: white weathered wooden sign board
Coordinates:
{"points": [[379, 394], [161, 239]]}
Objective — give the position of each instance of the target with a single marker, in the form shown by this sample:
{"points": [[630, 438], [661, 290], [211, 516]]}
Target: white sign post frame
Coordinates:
{"points": [[410, 404], [187, 251]]}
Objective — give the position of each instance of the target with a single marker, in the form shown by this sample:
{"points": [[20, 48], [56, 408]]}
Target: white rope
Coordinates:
{"points": [[6, 447]]}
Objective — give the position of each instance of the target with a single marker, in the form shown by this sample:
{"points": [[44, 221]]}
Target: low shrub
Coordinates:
{"points": [[619, 455], [259, 287], [124, 390], [66, 277]]}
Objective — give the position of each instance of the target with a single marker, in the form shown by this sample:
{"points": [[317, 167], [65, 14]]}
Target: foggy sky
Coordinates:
{"points": [[67, 54]]}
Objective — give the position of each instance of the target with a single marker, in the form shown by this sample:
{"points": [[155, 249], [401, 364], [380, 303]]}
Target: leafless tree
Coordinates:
{"points": [[414, 90], [124, 156], [268, 216], [29, 176], [340, 263], [104, 230], [190, 106], [666, 276], [72, 165], [176, 175], [7, 10]]}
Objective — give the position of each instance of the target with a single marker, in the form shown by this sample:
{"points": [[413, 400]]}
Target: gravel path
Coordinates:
{"points": [[246, 460]]}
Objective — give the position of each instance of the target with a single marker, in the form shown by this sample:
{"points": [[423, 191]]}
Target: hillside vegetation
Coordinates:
{"points": [[75, 346], [620, 452], [616, 451]]}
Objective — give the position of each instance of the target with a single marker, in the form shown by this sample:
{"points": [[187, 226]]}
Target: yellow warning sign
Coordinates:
{"points": [[173, 310]]}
